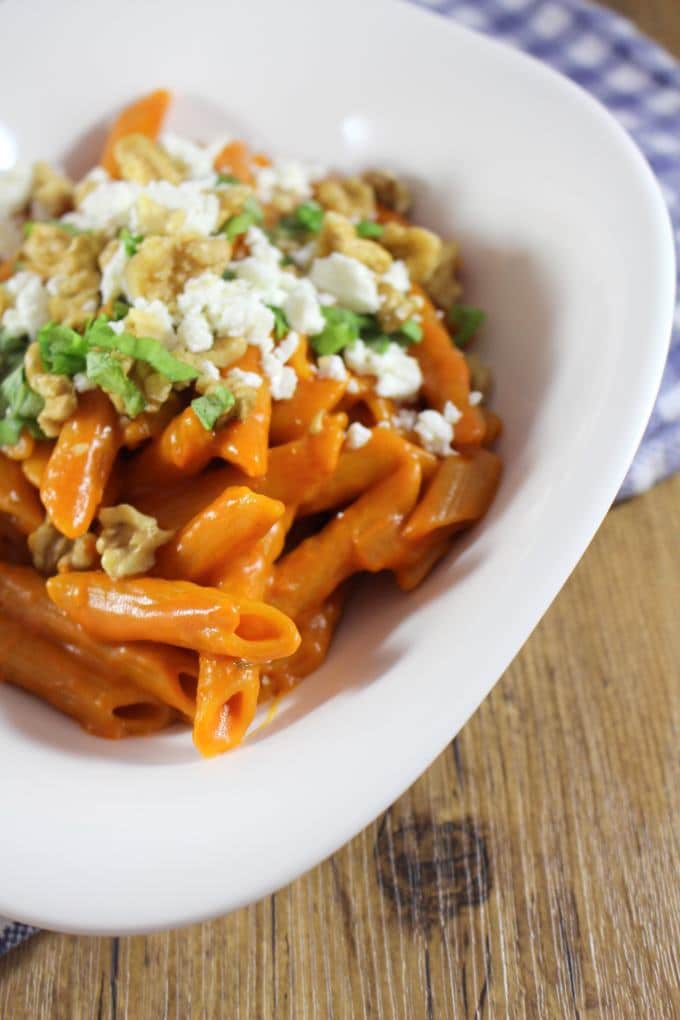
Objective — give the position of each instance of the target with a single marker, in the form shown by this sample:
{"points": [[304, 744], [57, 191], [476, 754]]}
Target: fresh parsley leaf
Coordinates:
{"points": [[20, 406], [10, 431], [465, 321], [250, 215], [281, 325], [228, 179], [210, 407], [106, 371], [306, 218], [411, 332], [62, 350], [120, 309], [228, 274], [369, 228], [99, 334], [342, 328], [131, 242]]}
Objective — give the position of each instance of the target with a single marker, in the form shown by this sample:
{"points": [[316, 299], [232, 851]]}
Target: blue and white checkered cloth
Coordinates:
{"points": [[640, 84]]}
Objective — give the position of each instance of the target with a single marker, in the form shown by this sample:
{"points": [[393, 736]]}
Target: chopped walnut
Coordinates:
{"points": [[155, 386], [224, 352], [443, 286], [395, 307], [480, 373], [339, 234], [389, 190], [419, 248], [52, 192], [47, 546], [231, 201], [154, 218], [128, 541], [81, 556], [44, 248], [142, 160], [71, 263], [349, 196], [244, 395], [162, 265], [56, 390]]}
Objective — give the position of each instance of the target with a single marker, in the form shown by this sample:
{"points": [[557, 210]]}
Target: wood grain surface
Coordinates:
{"points": [[532, 872]]}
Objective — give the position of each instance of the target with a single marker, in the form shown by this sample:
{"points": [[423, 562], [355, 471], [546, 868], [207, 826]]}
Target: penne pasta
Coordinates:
{"points": [[225, 703], [18, 499]]}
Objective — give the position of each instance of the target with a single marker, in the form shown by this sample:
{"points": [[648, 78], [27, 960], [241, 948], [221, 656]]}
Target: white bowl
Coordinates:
{"points": [[568, 247]]}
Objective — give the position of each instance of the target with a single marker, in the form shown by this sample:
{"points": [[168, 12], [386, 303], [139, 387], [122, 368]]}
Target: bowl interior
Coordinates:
{"points": [[566, 246]]}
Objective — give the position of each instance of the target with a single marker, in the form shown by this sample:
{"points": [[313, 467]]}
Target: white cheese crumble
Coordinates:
{"points": [[303, 310], [225, 307], [357, 436], [198, 160], [194, 332], [398, 375], [353, 385], [15, 188], [113, 204], [348, 280], [282, 378], [304, 255], [397, 277], [250, 379], [113, 275], [117, 327], [331, 366], [106, 207], [287, 347], [201, 208], [285, 176], [475, 398], [210, 369], [451, 413], [30, 308], [434, 432], [82, 384], [404, 419], [158, 320]]}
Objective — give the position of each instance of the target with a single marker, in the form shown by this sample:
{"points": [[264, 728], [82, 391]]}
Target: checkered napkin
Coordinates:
{"points": [[640, 84]]}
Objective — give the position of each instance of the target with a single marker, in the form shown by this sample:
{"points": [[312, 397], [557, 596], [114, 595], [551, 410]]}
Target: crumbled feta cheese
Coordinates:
{"points": [[303, 310], [229, 308], [82, 384], [30, 308], [211, 370], [285, 350], [348, 280], [353, 385], [398, 374], [282, 378], [475, 398], [304, 255], [113, 275], [397, 276], [157, 321], [404, 419], [285, 176], [15, 188], [357, 436], [435, 432], [198, 160], [117, 327], [194, 332], [451, 413], [326, 299], [250, 379], [106, 207], [331, 366], [200, 207], [54, 284]]}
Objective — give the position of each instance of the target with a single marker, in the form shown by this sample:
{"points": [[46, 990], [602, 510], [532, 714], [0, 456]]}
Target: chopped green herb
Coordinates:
{"points": [[228, 274], [68, 228], [120, 309], [99, 334], [228, 179], [379, 343], [12, 350], [369, 228], [466, 322], [411, 332], [250, 215], [306, 218], [131, 242], [20, 406], [62, 350], [342, 328], [210, 407], [106, 371], [281, 326]]}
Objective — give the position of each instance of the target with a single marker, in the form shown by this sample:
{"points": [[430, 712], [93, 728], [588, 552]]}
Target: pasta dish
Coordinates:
{"points": [[229, 384]]}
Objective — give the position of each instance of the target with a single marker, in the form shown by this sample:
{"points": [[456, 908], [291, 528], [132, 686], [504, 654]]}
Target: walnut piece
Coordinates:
{"points": [[389, 190], [142, 160], [443, 286], [339, 234], [224, 352], [52, 192], [480, 373], [71, 263], [349, 196], [51, 551], [231, 201], [56, 390], [44, 248], [419, 248], [162, 265], [128, 541], [396, 307]]}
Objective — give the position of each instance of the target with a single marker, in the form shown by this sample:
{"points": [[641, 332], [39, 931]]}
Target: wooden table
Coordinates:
{"points": [[532, 872]]}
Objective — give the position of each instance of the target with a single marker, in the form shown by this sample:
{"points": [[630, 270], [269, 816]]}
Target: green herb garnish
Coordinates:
{"points": [[62, 350], [106, 371], [120, 309], [342, 328], [210, 407], [131, 242], [228, 179], [465, 321], [99, 335], [306, 218], [411, 332], [20, 405], [281, 325], [369, 228], [250, 215], [228, 275]]}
